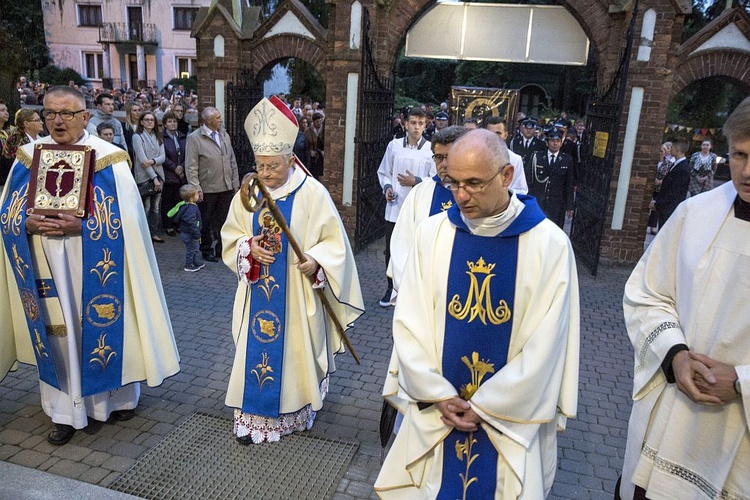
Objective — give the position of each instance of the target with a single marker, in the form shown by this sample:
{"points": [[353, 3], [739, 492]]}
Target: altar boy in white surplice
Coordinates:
{"points": [[486, 335], [687, 316]]}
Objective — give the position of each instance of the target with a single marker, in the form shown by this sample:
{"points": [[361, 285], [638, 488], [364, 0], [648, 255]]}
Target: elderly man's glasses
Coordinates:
{"points": [[439, 158], [471, 187], [271, 167], [48, 114]]}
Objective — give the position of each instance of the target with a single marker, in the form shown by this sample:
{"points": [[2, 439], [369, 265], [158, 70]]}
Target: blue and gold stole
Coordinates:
{"points": [[102, 287], [478, 321], [265, 340], [442, 199]]}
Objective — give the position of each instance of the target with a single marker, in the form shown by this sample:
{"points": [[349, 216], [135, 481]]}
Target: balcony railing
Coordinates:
{"points": [[128, 33]]}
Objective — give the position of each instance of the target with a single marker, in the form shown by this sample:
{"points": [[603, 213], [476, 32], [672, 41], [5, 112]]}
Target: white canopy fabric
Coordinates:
{"points": [[495, 32]]}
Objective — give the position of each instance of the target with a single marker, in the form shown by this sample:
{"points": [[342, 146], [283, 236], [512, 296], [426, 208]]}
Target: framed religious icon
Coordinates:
{"points": [[483, 102], [59, 182]]}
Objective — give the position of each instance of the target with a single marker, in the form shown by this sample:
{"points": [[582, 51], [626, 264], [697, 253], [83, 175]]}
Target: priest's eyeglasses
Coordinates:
{"points": [[271, 167], [48, 114], [474, 186]]}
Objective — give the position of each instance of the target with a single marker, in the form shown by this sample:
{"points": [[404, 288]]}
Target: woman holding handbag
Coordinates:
{"points": [[148, 169]]}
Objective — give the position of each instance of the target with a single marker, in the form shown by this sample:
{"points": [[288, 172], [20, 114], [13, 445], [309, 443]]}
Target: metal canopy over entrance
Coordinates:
{"points": [[495, 32]]}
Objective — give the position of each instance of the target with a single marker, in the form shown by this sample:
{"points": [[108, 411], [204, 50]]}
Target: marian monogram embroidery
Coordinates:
{"points": [[11, 220], [479, 299], [104, 219]]}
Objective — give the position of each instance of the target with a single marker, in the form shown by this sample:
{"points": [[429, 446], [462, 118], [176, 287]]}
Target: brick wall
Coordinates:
{"points": [[212, 68], [730, 64], [340, 62], [656, 77], [267, 51]]}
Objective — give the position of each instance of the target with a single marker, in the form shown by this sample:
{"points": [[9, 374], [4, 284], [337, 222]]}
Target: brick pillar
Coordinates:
{"points": [[212, 68], [340, 62], [655, 77]]}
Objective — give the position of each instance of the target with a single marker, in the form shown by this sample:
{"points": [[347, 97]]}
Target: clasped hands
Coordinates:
{"points": [[704, 380], [51, 226], [264, 256], [458, 413]]}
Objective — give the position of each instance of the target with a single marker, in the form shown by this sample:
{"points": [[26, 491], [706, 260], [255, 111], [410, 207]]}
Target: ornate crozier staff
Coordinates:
{"points": [[250, 194]]}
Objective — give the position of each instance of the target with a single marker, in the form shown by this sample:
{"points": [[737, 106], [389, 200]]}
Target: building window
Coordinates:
{"points": [[186, 66], [89, 15], [93, 65], [184, 17], [219, 46]]}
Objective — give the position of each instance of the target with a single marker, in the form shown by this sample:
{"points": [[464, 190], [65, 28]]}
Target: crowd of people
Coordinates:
{"points": [[484, 368], [679, 177], [32, 93]]}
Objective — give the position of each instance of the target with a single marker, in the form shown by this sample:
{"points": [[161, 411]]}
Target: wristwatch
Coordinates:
{"points": [[737, 387]]}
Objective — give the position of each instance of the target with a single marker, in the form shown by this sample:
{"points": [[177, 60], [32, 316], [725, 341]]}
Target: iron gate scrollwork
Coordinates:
{"points": [[598, 151], [373, 135], [242, 95]]}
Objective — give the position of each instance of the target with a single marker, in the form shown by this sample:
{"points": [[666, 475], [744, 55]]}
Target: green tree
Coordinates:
{"points": [[21, 21], [52, 75], [318, 8], [705, 11], [13, 59], [482, 73], [305, 81]]}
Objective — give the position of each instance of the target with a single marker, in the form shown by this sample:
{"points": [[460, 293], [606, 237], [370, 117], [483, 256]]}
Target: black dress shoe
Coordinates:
{"points": [[245, 440], [171, 232], [61, 434], [122, 415], [209, 257]]}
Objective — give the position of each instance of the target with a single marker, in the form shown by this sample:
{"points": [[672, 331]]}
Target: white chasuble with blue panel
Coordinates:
{"points": [[478, 322], [102, 291], [442, 198], [267, 320]]}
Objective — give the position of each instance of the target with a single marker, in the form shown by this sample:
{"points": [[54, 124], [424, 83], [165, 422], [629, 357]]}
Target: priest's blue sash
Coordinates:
{"points": [[16, 243], [478, 322], [267, 319], [103, 289], [442, 198]]}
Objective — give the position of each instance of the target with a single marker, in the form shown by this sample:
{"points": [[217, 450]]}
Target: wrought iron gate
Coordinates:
{"points": [[598, 151], [373, 135], [242, 95]]}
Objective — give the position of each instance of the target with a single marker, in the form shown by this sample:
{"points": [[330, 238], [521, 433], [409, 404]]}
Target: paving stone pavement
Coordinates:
{"points": [[590, 451]]}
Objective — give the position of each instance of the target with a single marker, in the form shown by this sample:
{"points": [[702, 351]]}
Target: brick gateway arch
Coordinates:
{"points": [[721, 48], [337, 54]]}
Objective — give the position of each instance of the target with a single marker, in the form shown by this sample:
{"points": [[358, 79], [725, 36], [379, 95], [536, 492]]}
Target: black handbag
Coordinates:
{"points": [[147, 188]]}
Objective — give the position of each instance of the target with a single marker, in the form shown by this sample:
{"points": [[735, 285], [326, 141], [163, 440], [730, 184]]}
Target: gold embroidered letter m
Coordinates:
{"points": [[479, 299]]}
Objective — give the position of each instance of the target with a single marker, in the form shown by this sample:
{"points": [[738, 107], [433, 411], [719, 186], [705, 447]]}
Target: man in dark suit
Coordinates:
{"points": [[552, 179], [315, 137], [526, 145], [674, 187]]}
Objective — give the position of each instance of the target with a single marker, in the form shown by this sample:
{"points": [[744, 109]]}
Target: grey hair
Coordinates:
{"points": [[448, 135], [207, 112], [64, 90]]}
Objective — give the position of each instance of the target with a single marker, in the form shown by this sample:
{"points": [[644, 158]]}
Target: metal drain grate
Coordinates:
{"points": [[201, 459]]}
